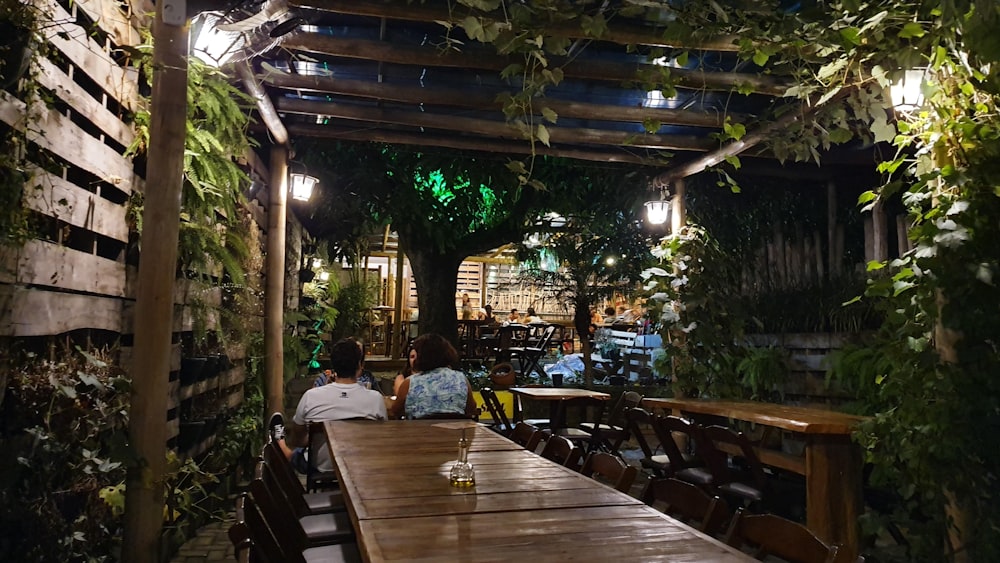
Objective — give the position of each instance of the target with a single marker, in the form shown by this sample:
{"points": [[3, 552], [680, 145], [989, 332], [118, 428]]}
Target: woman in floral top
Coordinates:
{"points": [[434, 388]]}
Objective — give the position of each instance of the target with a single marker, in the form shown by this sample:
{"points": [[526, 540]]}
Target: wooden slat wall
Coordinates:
{"points": [[75, 277]]}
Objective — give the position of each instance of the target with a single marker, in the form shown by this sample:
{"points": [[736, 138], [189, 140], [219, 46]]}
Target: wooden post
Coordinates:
{"points": [[678, 209], [880, 232], [274, 289], [144, 492], [397, 336]]}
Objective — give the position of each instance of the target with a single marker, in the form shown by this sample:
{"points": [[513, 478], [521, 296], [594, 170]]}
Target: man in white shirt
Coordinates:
{"points": [[343, 399]]}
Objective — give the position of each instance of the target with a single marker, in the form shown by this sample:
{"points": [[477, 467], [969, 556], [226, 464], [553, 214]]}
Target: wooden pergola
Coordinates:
{"points": [[377, 70]]}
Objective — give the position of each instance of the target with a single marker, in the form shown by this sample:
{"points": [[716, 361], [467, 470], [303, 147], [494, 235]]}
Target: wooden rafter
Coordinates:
{"points": [[473, 100], [366, 133], [618, 32], [496, 129], [590, 70]]}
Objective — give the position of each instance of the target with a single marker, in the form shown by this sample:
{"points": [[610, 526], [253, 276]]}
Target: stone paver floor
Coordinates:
{"points": [[210, 545]]}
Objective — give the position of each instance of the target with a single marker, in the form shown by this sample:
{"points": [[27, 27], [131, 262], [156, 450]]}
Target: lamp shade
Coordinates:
{"points": [[657, 211], [907, 93], [302, 186], [211, 45]]}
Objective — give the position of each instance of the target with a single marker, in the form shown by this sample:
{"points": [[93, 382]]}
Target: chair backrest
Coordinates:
{"points": [[277, 512], [523, 433], [239, 535], [500, 421], [546, 340], [608, 467], [317, 440], [562, 451], [283, 471], [263, 533], [705, 512], [775, 536], [721, 472], [665, 426], [280, 491], [637, 420]]}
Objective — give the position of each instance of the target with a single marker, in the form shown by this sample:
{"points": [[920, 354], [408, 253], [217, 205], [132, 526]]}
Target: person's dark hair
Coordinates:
{"points": [[531, 311], [433, 351], [609, 311], [345, 357]]}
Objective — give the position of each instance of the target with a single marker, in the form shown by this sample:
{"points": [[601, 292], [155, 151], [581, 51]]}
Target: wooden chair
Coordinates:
{"points": [[509, 336], [637, 420], [253, 538], [526, 435], [684, 466], [288, 482], [528, 356], [501, 423], [610, 468], [743, 479], [775, 536], [610, 435], [562, 451], [317, 480], [303, 532], [693, 505]]}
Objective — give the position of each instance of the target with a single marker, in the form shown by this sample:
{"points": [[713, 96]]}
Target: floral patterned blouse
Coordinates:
{"points": [[438, 391]]}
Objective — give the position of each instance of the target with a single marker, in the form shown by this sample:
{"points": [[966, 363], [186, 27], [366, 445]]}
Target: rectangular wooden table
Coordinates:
{"points": [[832, 465], [394, 475], [557, 397]]}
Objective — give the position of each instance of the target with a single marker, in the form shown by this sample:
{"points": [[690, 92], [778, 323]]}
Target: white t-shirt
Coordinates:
{"points": [[337, 401]]}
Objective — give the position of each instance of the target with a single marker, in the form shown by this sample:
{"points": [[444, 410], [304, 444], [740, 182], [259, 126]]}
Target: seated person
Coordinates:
{"points": [[513, 317], [532, 318], [434, 387], [342, 399], [366, 379], [609, 315]]}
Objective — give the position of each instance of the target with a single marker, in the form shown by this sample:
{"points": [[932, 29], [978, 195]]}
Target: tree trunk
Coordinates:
{"points": [[436, 277], [581, 321]]}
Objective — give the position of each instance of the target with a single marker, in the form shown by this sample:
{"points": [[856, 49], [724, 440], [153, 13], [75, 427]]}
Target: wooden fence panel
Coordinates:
{"points": [[29, 312], [52, 196], [42, 263]]}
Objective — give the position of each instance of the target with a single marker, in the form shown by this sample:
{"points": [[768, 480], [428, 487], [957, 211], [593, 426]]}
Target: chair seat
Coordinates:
{"points": [[660, 462], [344, 552], [327, 528], [538, 422], [328, 501], [321, 481], [742, 490], [697, 475], [603, 427]]}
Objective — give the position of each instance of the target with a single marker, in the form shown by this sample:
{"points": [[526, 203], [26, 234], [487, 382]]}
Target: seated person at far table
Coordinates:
{"points": [[434, 388], [343, 399], [531, 317]]}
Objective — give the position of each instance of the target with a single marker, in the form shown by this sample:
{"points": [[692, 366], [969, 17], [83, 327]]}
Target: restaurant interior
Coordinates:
{"points": [[699, 281]]}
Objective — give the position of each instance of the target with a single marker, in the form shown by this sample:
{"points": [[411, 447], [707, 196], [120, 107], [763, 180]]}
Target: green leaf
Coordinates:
{"points": [[760, 58], [550, 115], [867, 196], [543, 135], [851, 35], [911, 30], [874, 265]]}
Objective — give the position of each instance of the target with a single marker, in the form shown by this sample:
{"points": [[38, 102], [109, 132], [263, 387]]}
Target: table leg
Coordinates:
{"points": [[833, 490]]}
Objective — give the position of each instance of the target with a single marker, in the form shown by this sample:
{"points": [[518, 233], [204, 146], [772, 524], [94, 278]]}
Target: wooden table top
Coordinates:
{"points": [[558, 393], [395, 477], [795, 419]]}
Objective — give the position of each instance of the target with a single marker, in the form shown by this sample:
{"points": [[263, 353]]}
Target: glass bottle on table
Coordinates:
{"points": [[463, 474]]}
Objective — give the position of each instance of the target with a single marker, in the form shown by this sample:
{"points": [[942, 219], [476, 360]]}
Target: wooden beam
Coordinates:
{"points": [[748, 141], [264, 106], [274, 290], [464, 98], [625, 34], [616, 72], [367, 134], [144, 491], [496, 129]]}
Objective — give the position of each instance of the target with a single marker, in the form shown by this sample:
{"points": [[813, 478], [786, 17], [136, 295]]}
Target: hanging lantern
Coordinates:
{"points": [[907, 93], [657, 211], [302, 185]]}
